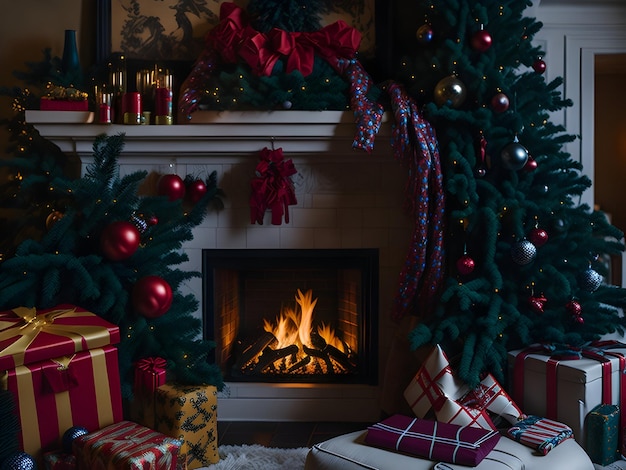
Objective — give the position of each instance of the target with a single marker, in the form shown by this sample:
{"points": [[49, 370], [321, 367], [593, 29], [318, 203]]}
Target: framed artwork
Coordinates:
{"points": [[173, 30]]}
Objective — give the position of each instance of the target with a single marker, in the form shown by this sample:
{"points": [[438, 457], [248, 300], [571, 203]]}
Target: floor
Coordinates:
{"points": [[282, 434]]}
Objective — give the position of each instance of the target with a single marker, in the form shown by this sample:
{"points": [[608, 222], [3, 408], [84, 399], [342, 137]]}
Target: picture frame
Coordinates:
{"points": [[168, 31]]}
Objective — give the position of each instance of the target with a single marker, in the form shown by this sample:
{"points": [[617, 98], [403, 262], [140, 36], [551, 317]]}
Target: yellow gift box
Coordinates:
{"points": [[189, 413]]}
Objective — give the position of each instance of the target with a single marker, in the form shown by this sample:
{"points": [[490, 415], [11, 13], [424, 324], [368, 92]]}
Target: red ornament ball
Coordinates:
{"points": [[481, 41], [119, 240], [538, 237], [531, 164], [465, 265], [195, 190], [537, 303], [500, 103], [152, 296], [574, 308], [172, 186], [539, 66]]}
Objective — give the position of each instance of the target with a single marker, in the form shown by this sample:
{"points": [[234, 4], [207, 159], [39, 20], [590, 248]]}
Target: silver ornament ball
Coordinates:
{"points": [[514, 156], [591, 280]]}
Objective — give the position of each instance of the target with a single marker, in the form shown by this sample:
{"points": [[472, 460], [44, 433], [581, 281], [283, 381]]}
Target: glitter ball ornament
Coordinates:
{"points": [[481, 41], [514, 156], [523, 252], [424, 34], [500, 102], [538, 237], [537, 303], [590, 280], [19, 461], [574, 308], [71, 434], [450, 91], [465, 265]]}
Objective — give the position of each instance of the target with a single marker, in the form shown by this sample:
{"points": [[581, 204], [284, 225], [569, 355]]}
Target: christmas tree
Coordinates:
{"points": [[525, 262], [115, 253]]}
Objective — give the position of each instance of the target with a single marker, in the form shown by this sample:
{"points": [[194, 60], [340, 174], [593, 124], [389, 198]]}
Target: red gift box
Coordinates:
{"points": [[434, 440], [126, 446], [52, 104], [63, 371], [150, 373], [28, 335]]}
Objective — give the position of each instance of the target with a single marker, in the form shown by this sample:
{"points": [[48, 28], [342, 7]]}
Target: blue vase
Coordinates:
{"points": [[70, 61]]}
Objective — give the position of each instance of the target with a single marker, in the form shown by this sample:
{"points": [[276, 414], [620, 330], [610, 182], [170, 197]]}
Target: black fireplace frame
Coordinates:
{"points": [[364, 259]]}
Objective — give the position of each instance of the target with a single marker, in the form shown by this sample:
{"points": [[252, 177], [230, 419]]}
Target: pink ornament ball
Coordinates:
{"points": [[152, 296]]}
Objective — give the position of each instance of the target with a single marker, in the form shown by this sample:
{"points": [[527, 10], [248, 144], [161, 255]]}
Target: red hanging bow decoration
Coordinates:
{"points": [[234, 38], [272, 187]]}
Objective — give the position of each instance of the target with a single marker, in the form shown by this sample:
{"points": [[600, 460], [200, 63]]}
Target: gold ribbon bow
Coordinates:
{"points": [[30, 324]]}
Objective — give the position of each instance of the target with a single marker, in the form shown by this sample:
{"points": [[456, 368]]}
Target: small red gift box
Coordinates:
{"points": [[63, 370], [126, 446], [51, 104], [434, 440]]}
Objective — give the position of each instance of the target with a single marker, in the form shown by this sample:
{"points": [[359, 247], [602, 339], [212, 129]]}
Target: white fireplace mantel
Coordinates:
{"points": [[211, 133]]}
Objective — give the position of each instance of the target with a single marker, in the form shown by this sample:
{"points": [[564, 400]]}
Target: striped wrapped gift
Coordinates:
{"points": [[539, 433], [434, 440]]}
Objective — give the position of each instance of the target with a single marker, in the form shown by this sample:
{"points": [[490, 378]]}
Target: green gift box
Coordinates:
{"points": [[602, 434]]}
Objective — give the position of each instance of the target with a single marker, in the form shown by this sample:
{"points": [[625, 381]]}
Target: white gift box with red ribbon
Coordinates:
{"points": [[566, 387], [435, 387]]}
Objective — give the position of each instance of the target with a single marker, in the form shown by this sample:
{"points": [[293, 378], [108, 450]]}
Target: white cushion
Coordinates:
{"points": [[349, 452]]}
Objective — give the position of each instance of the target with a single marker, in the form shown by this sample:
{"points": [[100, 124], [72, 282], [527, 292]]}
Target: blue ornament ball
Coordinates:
{"points": [[71, 434], [19, 461]]}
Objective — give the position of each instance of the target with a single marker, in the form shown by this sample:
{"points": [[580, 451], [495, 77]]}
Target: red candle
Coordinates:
{"points": [[163, 106]]}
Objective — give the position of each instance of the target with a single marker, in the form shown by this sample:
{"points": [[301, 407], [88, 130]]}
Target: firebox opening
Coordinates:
{"points": [[281, 315]]}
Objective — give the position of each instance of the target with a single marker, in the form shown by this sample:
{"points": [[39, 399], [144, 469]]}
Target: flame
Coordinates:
{"points": [[294, 326]]}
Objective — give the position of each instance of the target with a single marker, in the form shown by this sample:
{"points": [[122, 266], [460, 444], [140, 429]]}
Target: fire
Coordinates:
{"points": [[293, 346]]}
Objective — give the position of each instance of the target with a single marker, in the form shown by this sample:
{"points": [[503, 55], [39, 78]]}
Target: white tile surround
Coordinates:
{"points": [[347, 198]]}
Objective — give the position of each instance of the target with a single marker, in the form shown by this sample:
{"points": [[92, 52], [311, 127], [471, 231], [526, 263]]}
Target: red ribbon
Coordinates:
{"points": [[234, 38], [272, 187]]}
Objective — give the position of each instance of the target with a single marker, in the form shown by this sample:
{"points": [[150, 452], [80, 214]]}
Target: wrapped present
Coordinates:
{"points": [[150, 373], [126, 446], [573, 381], [489, 395], [432, 379], [435, 387], [541, 434], [57, 460], [465, 445], [189, 414], [602, 426], [63, 369], [52, 104]]}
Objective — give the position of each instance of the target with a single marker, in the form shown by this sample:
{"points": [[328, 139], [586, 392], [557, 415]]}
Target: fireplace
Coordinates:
{"points": [[293, 315]]}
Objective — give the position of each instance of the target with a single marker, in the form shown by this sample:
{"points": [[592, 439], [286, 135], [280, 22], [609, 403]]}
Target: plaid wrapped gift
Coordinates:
{"points": [[126, 446], [465, 445], [63, 369], [189, 414], [602, 434], [539, 433], [435, 387], [490, 395]]}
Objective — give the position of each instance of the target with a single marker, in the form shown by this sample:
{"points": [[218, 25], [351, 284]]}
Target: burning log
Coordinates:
{"points": [[321, 355], [302, 363], [250, 352], [270, 356], [341, 358]]}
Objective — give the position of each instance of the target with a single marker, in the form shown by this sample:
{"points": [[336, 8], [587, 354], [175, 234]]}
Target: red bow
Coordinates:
{"points": [[234, 38], [272, 187], [150, 373]]}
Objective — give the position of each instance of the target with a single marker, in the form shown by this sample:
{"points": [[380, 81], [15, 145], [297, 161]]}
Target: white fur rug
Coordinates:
{"points": [[256, 457]]}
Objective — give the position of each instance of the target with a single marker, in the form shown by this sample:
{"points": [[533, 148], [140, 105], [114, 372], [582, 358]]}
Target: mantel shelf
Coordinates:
{"points": [[212, 132]]}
